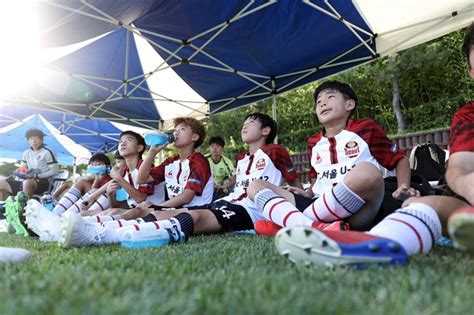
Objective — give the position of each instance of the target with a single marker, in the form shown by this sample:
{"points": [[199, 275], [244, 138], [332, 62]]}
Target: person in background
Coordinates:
{"points": [[37, 168], [222, 168]]}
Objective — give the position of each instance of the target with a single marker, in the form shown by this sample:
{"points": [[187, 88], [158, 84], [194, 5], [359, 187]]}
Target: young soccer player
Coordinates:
{"points": [[235, 212], [99, 166], [346, 170], [222, 168], [416, 226]]}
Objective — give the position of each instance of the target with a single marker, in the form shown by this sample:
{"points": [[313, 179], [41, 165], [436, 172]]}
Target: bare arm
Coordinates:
{"points": [[144, 176], [460, 174], [404, 179], [180, 200]]}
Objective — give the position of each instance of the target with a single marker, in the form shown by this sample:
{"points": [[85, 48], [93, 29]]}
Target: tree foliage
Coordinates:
{"points": [[433, 84]]}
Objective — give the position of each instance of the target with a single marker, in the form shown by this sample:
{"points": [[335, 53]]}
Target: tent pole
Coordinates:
{"points": [[274, 105]]}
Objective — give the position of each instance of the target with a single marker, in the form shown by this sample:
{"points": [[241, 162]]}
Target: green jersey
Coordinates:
{"points": [[221, 170]]}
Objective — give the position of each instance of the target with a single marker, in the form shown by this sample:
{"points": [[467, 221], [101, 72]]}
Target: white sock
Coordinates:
{"points": [[279, 210], [336, 204], [101, 218], [76, 207], [139, 227], [101, 204], [116, 224], [415, 227], [67, 200], [111, 236]]}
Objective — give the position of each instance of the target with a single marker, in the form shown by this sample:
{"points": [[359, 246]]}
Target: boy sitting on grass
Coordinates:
{"points": [[186, 176], [236, 212], [347, 158], [99, 164], [415, 227]]}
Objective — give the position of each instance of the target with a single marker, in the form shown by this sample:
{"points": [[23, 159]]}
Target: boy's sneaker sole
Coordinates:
{"points": [[305, 245]]}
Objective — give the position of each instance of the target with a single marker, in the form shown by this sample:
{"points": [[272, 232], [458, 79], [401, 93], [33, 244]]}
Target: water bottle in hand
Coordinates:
{"points": [[121, 194], [158, 138]]}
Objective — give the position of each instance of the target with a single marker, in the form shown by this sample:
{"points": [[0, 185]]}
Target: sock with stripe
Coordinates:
{"points": [[101, 204], [336, 204], [67, 200], [102, 218], [279, 210], [415, 227], [116, 224]]}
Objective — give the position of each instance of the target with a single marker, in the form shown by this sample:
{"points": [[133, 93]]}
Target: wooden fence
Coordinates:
{"points": [[405, 143]]}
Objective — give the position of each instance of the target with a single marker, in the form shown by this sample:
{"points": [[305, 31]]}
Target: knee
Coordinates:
{"points": [[29, 184], [364, 175], [255, 186]]}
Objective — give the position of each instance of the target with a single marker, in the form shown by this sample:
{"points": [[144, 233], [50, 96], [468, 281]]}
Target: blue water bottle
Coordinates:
{"points": [[121, 194], [158, 138], [47, 201]]}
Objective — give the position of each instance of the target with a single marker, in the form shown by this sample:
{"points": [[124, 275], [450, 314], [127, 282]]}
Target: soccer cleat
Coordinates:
{"points": [[152, 238], [305, 245], [14, 214], [41, 221], [13, 255], [263, 227], [75, 232], [461, 228], [268, 228]]}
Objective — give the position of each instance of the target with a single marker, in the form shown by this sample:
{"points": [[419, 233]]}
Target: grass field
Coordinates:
{"points": [[230, 274]]}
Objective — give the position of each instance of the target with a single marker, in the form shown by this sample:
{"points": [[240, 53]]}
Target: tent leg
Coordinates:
{"points": [[274, 108]]}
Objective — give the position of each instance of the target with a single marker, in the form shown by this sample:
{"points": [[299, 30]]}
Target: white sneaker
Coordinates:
{"points": [[75, 232], [14, 255], [42, 221]]}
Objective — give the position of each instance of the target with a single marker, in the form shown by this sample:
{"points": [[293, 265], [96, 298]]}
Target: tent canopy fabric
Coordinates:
{"points": [[145, 61], [13, 142], [95, 135]]}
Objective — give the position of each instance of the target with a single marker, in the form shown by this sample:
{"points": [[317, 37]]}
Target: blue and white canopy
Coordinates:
{"points": [[13, 141], [143, 62], [95, 135]]}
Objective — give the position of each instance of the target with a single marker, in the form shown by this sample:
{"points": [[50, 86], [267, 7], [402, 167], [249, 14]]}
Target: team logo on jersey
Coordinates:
{"points": [[169, 174], [318, 158], [351, 149], [260, 164]]}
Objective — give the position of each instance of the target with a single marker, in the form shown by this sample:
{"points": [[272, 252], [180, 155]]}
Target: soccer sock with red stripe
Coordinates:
{"points": [[279, 210], [102, 218], [67, 200], [120, 223], [336, 204], [101, 204], [415, 227]]}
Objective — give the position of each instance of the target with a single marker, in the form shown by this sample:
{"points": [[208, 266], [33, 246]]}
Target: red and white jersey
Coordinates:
{"points": [[271, 163], [193, 173], [155, 194], [462, 130], [361, 141]]}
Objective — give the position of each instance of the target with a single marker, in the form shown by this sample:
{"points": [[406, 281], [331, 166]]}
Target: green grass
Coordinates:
{"points": [[233, 274]]}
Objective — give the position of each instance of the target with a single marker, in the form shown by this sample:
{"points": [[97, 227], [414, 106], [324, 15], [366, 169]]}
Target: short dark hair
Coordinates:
{"points": [[34, 133], [217, 140], [100, 157], [468, 43], [266, 121], [196, 126], [138, 137], [117, 156], [343, 88]]}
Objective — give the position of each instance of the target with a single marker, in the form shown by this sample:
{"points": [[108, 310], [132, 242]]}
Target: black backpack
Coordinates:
{"points": [[427, 160]]}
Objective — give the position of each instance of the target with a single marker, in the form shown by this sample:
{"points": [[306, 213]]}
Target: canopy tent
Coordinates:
{"points": [[94, 135], [13, 141], [145, 61]]}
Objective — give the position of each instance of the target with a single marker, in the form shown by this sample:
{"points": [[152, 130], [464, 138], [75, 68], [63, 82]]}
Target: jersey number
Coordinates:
{"points": [[227, 213]]}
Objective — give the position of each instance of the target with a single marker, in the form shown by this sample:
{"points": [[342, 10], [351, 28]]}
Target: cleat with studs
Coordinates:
{"points": [[305, 245]]}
